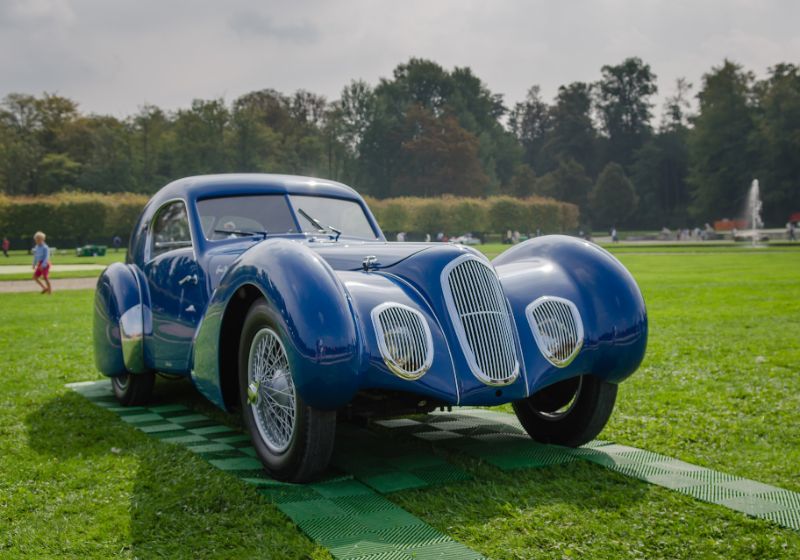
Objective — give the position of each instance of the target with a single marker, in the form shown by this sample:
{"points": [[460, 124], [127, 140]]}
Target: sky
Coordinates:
{"points": [[113, 56]]}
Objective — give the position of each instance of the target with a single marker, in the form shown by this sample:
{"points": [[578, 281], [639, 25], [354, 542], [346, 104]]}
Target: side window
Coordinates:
{"points": [[170, 229]]}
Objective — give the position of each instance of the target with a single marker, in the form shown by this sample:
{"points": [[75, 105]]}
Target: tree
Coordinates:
{"points": [[572, 135], [722, 162], [623, 102], [568, 182], [150, 129], [661, 166], [523, 183], [530, 121], [439, 157], [660, 174], [200, 138], [777, 141], [613, 198], [676, 114]]}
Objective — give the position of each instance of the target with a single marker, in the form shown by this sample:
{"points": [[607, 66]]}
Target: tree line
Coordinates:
{"points": [[428, 131]]}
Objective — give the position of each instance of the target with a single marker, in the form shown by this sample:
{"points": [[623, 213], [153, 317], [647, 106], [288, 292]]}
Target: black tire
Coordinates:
{"points": [[570, 413], [308, 449], [133, 390]]}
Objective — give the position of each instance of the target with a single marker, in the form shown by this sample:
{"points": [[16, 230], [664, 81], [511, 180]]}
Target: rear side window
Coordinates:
{"points": [[170, 229]]}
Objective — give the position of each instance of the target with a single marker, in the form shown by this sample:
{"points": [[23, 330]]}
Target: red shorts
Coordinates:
{"points": [[43, 271]]}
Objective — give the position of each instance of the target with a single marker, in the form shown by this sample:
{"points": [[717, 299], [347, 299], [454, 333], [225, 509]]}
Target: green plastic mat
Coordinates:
{"points": [[499, 439], [344, 515]]}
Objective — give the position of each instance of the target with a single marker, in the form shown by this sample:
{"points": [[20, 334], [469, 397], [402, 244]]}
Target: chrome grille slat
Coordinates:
{"points": [[481, 319], [557, 328], [404, 339]]}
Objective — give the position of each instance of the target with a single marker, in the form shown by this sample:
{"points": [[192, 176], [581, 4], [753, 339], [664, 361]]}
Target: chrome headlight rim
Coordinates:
{"points": [[387, 354], [559, 303]]}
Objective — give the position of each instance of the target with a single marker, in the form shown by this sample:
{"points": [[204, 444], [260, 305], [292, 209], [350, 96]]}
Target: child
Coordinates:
{"points": [[41, 263]]}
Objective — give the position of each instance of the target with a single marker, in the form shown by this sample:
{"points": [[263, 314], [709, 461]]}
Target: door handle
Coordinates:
{"points": [[188, 278]]}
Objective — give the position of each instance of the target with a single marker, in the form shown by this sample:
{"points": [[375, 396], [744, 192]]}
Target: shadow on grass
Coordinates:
{"points": [[180, 506]]}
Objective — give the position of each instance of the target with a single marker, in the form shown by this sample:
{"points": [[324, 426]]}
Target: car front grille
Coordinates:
{"points": [[404, 339], [557, 328], [481, 319]]}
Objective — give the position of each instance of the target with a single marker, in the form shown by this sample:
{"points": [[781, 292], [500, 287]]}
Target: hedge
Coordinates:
{"points": [[457, 215], [69, 219]]}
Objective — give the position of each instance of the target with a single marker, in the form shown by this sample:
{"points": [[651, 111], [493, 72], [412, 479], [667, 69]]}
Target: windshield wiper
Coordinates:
{"points": [[318, 225], [240, 232]]}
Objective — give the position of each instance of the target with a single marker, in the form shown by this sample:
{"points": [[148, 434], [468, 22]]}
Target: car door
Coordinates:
{"points": [[177, 288]]}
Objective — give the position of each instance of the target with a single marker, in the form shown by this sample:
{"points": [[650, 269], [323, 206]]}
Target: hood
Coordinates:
{"points": [[350, 255]]}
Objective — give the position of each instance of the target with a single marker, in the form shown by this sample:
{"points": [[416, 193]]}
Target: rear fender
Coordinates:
{"points": [[119, 322]]}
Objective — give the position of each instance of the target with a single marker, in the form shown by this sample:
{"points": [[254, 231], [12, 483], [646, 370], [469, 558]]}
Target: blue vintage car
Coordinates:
{"points": [[279, 296]]}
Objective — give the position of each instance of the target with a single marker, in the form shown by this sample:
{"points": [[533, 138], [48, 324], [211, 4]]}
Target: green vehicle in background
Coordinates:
{"points": [[91, 251]]}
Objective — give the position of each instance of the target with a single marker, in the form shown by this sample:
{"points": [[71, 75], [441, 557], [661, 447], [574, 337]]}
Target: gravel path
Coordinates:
{"points": [[17, 268], [62, 284]]}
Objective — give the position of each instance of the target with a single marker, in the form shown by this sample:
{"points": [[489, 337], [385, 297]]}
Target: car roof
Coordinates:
{"points": [[233, 184]]}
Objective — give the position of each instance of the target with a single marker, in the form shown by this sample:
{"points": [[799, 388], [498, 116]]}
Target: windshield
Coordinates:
{"points": [[239, 216], [236, 216], [332, 214]]}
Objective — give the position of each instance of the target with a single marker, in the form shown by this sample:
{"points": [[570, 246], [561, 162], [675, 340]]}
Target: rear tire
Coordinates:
{"points": [[133, 390], [294, 441], [570, 413]]}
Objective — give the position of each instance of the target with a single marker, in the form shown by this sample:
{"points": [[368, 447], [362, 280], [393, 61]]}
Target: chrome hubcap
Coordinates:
{"points": [[270, 390], [564, 410], [121, 381]]}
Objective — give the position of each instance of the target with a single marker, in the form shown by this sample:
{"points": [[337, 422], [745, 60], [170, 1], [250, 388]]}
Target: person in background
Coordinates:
{"points": [[614, 236], [6, 246], [117, 241], [41, 263]]}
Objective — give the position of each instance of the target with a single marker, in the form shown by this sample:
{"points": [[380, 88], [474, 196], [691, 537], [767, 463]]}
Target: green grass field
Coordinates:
{"points": [[720, 387]]}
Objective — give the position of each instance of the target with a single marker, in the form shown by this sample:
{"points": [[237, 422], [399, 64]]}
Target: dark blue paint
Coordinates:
{"points": [[321, 301]]}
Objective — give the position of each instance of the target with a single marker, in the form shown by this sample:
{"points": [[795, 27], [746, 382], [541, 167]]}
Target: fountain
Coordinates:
{"points": [[753, 214]]}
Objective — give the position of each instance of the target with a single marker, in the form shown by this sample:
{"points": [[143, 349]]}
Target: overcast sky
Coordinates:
{"points": [[112, 56]]}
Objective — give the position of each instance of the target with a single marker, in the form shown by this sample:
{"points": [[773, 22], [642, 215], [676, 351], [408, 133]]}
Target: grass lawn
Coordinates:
{"points": [[720, 387], [23, 258], [67, 257]]}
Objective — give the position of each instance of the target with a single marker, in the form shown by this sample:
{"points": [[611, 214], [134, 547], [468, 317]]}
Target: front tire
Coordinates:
{"points": [[570, 413], [133, 390], [293, 440]]}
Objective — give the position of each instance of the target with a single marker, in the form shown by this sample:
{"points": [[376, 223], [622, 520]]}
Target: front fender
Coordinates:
{"points": [[315, 315], [119, 322], [607, 297]]}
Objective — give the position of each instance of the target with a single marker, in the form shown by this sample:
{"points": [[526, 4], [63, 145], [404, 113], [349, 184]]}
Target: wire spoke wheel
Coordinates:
{"points": [[270, 390]]}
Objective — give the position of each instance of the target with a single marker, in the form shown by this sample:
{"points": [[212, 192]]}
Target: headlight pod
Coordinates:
{"points": [[557, 328], [404, 339]]}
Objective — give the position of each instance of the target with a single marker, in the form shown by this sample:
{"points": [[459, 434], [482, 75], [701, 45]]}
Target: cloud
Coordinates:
{"points": [[114, 56], [32, 13], [254, 24]]}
